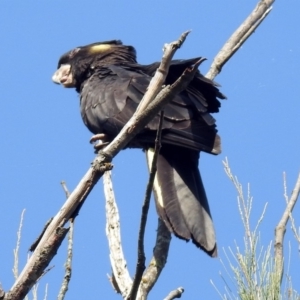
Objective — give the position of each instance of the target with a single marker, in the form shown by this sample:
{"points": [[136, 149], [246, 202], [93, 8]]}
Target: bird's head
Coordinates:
{"points": [[75, 66]]}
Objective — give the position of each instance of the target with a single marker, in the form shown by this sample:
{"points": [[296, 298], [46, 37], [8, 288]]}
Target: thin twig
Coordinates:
{"points": [[25, 283], [281, 228], [158, 80], [68, 264], [140, 265], [175, 294], [65, 188], [238, 38], [46, 292], [294, 229], [16, 251]]}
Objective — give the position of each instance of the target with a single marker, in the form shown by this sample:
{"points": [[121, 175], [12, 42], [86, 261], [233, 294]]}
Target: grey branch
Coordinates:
{"points": [[159, 77], [158, 261], [281, 228], [65, 188], [120, 279], [293, 225], [175, 294], [68, 265], [140, 266], [238, 38]]}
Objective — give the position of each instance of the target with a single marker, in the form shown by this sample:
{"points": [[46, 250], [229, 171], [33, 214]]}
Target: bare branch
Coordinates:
{"points": [[121, 277], [65, 188], [158, 79], [175, 294], [158, 261], [140, 266], [294, 229], [68, 265], [16, 251], [238, 38], [281, 228]]}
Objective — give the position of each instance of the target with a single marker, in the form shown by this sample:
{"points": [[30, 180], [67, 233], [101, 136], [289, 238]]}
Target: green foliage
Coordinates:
{"points": [[252, 270]]}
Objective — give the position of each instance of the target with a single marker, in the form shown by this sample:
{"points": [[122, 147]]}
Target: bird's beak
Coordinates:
{"points": [[64, 76]]}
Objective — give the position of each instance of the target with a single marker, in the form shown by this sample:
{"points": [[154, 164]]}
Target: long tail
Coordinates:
{"points": [[180, 197]]}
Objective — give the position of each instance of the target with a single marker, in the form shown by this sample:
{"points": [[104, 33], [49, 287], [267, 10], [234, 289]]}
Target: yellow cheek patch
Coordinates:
{"points": [[99, 48]]}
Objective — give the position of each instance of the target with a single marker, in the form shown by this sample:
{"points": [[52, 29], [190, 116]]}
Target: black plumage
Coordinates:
{"points": [[111, 85]]}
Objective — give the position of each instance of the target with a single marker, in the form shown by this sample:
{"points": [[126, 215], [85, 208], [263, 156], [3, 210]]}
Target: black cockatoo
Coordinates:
{"points": [[111, 84]]}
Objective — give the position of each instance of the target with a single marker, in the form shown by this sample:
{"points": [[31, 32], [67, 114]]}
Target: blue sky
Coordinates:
{"points": [[44, 141]]}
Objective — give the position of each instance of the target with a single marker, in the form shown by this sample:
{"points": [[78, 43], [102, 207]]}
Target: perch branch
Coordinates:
{"points": [[161, 73], [281, 228], [140, 265], [238, 38]]}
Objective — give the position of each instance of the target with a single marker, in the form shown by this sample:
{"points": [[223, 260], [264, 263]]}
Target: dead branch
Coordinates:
{"points": [[68, 264], [65, 188], [239, 37], [293, 225], [281, 228], [140, 265], [16, 251], [121, 279], [175, 294], [158, 261], [160, 75]]}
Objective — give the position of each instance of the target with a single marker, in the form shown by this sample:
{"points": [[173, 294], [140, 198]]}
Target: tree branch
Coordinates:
{"points": [[122, 281], [158, 261], [68, 265], [140, 266], [175, 294], [281, 228], [239, 37]]}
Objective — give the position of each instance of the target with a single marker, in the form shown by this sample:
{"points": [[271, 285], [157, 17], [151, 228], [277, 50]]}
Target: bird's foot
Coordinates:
{"points": [[99, 140]]}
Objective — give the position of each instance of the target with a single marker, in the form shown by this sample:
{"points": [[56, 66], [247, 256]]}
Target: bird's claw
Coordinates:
{"points": [[99, 140]]}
